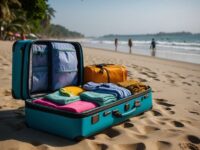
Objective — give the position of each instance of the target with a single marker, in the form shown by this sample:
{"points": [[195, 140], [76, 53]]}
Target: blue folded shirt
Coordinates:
{"points": [[109, 88]]}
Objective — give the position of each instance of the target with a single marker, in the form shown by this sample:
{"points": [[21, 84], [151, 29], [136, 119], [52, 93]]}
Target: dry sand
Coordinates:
{"points": [[174, 122]]}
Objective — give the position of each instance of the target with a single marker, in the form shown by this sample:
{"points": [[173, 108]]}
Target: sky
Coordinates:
{"points": [[101, 17]]}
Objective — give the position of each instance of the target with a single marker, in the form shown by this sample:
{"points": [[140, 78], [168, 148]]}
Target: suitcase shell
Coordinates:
{"points": [[21, 66], [105, 73], [66, 124]]}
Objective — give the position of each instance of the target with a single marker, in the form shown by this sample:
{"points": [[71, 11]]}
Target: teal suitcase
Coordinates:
{"points": [[32, 77]]}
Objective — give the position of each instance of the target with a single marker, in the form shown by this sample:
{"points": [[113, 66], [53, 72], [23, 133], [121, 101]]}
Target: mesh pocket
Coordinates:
{"points": [[40, 55], [39, 79]]}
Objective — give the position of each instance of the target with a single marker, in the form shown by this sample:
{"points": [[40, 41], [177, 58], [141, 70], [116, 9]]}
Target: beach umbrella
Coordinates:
{"points": [[17, 34], [10, 33], [32, 35]]}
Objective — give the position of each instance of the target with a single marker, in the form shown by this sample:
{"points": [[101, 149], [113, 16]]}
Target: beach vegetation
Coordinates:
{"points": [[24, 17]]}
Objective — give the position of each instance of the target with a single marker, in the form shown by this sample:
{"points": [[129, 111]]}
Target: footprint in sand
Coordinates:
{"points": [[164, 145], [162, 123], [178, 75], [161, 100], [5, 64], [193, 139], [142, 80], [112, 133], [156, 79], [172, 112], [197, 102], [172, 81], [150, 129], [7, 93], [166, 104], [188, 146], [187, 83], [156, 113], [135, 146], [178, 124], [194, 112], [168, 76], [148, 75], [128, 125], [101, 146], [168, 108]]}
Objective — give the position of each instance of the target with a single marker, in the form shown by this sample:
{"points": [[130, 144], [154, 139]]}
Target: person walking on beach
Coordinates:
{"points": [[116, 44], [153, 47], [130, 44]]}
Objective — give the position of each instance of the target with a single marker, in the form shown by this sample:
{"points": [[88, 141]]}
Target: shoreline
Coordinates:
{"points": [[161, 52], [147, 57]]}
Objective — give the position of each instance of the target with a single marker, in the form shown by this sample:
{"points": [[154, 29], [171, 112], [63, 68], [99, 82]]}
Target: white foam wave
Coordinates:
{"points": [[164, 44]]}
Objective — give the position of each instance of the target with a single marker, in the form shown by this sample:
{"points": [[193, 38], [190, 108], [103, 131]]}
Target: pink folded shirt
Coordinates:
{"points": [[77, 106]]}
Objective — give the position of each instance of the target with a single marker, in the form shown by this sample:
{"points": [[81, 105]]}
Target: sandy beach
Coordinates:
{"points": [[172, 124]]}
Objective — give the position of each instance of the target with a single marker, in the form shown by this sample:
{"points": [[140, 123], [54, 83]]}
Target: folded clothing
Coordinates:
{"points": [[76, 107], [71, 91], [99, 98], [109, 88], [58, 98], [134, 86]]}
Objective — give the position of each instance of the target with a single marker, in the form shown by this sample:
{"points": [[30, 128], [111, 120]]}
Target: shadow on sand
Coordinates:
{"points": [[13, 126]]}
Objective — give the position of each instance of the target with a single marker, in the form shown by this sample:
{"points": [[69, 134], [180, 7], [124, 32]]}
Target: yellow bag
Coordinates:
{"points": [[105, 73]]}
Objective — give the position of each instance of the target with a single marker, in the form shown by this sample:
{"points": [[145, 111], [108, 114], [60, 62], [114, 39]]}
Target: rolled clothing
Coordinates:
{"points": [[110, 88], [71, 91], [133, 85], [98, 98], [76, 107], [58, 98]]}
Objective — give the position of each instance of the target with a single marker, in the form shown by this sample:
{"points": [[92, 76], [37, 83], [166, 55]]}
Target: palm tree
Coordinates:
{"points": [[19, 24], [7, 7], [48, 16], [7, 15]]}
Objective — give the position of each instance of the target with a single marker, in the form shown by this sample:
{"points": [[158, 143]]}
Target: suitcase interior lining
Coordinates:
{"points": [[40, 93]]}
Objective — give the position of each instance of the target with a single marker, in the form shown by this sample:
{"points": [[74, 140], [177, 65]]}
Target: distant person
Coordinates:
{"points": [[130, 44], [153, 47], [23, 37], [116, 44]]}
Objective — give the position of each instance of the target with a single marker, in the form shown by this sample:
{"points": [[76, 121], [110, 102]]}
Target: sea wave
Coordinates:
{"points": [[161, 44]]}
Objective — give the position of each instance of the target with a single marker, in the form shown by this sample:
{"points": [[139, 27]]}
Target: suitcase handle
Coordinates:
{"points": [[117, 114]]}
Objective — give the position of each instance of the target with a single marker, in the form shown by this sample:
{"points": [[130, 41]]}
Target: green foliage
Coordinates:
{"points": [[26, 16], [58, 31], [35, 9]]}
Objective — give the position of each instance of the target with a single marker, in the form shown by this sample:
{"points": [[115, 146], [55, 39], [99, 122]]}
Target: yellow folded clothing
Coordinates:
{"points": [[71, 91], [133, 85]]}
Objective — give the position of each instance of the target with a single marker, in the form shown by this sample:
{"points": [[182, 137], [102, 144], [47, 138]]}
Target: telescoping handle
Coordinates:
{"points": [[117, 114]]}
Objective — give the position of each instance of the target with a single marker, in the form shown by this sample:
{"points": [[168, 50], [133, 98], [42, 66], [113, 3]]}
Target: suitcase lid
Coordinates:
{"points": [[39, 65]]}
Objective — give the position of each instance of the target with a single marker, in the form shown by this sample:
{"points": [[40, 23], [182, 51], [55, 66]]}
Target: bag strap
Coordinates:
{"points": [[107, 72], [102, 65], [102, 68]]}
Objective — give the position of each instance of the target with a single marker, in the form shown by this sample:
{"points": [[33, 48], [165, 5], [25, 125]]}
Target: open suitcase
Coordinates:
{"points": [[37, 71]]}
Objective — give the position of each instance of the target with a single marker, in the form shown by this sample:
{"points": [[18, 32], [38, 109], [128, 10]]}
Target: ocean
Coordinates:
{"points": [[180, 47]]}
